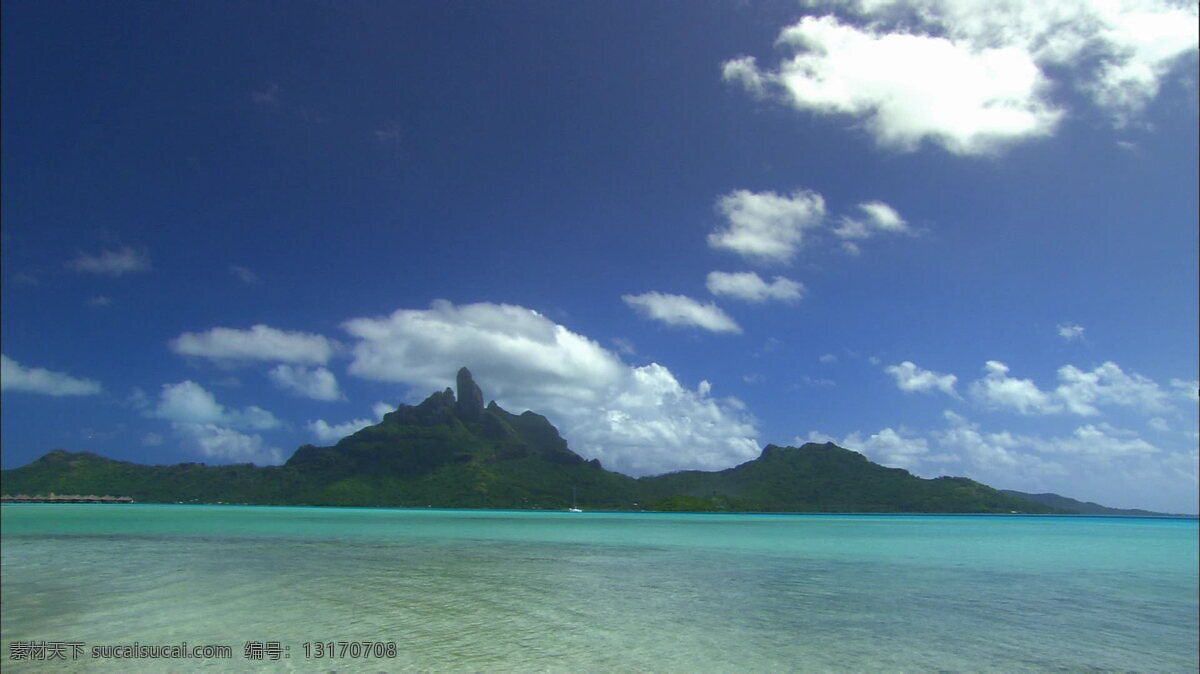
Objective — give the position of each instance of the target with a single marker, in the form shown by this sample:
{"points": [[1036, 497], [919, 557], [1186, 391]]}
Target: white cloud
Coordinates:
{"points": [[268, 96], [1100, 440], [745, 71], [1107, 385], [909, 378], [1159, 424], [1070, 331], [260, 342], [381, 408], [1189, 390], [828, 358], [637, 420], [682, 311], [1121, 51], [907, 87], [764, 226], [100, 301], [16, 377], [316, 383], [750, 287], [973, 75], [138, 399], [1143, 40], [997, 389], [814, 436], [227, 445], [209, 428], [624, 346], [329, 434], [852, 229], [1079, 392], [112, 262], [987, 451], [189, 403], [889, 448], [877, 217], [884, 217], [244, 274], [1094, 462]]}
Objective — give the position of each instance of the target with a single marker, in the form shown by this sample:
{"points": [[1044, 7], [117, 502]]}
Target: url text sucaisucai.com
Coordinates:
{"points": [[78, 650]]}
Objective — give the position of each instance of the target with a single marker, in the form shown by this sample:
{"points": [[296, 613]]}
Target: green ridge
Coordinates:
{"points": [[459, 454]]}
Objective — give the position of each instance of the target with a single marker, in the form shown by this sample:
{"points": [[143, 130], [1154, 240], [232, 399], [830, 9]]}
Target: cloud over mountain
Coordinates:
{"points": [[189, 402], [317, 383], [638, 420], [207, 427]]}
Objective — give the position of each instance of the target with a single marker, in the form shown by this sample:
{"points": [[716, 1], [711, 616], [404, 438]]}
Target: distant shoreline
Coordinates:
{"points": [[64, 498], [1160, 516]]}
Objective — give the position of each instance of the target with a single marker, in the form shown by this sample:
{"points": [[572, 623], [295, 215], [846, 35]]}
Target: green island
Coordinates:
{"points": [[454, 452]]}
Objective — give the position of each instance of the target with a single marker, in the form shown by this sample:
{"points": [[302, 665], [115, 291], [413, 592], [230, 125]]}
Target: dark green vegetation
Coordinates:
{"points": [[1082, 507], [460, 454], [825, 478]]}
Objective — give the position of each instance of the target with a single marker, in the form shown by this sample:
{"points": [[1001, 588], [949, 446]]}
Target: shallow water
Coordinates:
{"points": [[489, 590]]}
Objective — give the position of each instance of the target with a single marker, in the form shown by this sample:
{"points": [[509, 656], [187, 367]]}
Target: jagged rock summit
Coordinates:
{"points": [[470, 397], [453, 452]]}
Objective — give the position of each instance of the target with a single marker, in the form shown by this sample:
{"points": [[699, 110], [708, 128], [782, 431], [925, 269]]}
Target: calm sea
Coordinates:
{"points": [[522, 591]]}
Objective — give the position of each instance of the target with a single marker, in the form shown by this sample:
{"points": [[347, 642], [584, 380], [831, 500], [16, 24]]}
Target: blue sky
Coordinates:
{"points": [[957, 237]]}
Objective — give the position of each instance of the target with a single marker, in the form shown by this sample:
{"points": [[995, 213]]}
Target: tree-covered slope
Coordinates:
{"points": [[825, 478], [443, 452], [457, 453], [84, 473]]}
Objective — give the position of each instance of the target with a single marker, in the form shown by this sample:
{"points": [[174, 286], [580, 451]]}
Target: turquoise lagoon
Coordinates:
{"points": [[536, 591]]}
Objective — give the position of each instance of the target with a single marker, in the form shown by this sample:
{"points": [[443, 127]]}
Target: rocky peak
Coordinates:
{"points": [[470, 398]]}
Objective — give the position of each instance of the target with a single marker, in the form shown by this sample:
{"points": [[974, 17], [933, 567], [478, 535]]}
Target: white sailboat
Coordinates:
{"points": [[573, 508]]}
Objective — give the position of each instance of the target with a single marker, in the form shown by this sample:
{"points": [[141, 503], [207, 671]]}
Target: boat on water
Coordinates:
{"points": [[574, 507]]}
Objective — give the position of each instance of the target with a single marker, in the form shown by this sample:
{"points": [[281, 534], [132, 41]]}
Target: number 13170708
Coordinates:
{"points": [[349, 649]]}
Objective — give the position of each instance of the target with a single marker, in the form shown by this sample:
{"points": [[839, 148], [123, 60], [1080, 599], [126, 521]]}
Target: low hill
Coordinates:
{"points": [[826, 478], [1066, 504], [454, 452]]}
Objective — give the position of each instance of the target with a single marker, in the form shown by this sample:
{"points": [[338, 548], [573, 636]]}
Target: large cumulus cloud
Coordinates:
{"points": [[973, 76], [637, 420]]}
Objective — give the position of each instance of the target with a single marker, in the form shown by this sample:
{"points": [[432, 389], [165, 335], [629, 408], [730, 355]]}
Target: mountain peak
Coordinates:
{"points": [[470, 397]]}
